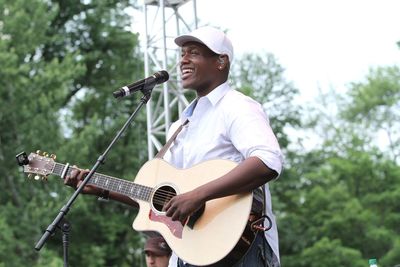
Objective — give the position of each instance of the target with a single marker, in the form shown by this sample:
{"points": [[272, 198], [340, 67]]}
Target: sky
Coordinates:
{"points": [[322, 44]]}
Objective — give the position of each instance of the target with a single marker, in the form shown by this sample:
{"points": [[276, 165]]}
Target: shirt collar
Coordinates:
{"points": [[213, 97], [188, 111]]}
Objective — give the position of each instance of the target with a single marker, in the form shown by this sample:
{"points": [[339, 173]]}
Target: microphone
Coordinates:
{"points": [[145, 84]]}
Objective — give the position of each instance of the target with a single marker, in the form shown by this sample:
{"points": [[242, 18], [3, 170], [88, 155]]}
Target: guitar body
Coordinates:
{"points": [[219, 229]]}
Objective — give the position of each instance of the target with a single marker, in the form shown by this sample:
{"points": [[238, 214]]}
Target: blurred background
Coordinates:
{"points": [[337, 201]]}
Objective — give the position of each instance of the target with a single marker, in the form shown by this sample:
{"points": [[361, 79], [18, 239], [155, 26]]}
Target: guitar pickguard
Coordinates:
{"points": [[175, 227]]}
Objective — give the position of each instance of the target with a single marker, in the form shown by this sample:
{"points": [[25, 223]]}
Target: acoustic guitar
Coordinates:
{"points": [[218, 236]]}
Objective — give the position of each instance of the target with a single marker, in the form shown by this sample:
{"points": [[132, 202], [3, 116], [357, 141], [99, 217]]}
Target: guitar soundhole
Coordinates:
{"points": [[162, 195]]}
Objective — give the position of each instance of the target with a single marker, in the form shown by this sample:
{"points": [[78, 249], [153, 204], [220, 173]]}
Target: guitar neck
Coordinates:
{"points": [[124, 187]]}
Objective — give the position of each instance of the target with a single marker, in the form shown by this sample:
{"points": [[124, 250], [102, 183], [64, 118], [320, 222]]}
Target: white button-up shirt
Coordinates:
{"points": [[226, 124]]}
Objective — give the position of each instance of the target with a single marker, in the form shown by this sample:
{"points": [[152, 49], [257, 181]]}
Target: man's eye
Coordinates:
{"points": [[190, 53]]}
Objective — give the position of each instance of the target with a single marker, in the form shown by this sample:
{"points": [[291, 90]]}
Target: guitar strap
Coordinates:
{"points": [[164, 149]]}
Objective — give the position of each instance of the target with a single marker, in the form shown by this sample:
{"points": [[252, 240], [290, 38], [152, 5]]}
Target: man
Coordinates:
{"points": [[222, 124], [157, 252]]}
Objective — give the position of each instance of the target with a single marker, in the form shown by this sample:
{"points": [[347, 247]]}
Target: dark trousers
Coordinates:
{"points": [[260, 254]]}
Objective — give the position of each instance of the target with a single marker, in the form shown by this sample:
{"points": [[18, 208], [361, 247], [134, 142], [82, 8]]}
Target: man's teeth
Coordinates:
{"points": [[184, 71]]}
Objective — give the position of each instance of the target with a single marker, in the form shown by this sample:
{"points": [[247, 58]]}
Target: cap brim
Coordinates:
{"points": [[181, 40]]}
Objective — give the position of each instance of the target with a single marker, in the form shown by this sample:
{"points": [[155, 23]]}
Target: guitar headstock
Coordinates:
{"points": [[38, 165]]}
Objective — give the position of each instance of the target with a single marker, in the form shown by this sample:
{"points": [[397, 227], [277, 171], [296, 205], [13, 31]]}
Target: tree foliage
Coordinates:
{"points": [[342, 201], [375, 104], [60, 62]]}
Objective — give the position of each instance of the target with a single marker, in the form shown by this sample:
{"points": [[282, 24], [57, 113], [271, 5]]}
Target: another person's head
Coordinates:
{"points": [[157, 252], [207, 54]]}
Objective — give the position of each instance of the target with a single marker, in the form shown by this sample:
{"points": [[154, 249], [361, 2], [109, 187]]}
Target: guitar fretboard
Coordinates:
{"points": [[127, 188]]}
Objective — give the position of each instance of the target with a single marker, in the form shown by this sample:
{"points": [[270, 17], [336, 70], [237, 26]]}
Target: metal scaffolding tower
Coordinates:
{"points": [[163, 22]]}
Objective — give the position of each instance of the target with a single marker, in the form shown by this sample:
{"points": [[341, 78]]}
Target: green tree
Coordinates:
{"points": [[343, 201], [375, 104], [61, 60]]}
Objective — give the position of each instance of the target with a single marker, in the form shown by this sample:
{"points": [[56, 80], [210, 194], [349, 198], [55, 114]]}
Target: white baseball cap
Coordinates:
{"points": [[214, 39]]}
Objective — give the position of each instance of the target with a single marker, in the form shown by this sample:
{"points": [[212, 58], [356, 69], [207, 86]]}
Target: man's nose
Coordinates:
{"points": [[184, 58]]}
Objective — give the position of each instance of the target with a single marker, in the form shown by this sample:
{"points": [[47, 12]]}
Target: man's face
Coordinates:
{"points": [[199, 68], [153, 260]]}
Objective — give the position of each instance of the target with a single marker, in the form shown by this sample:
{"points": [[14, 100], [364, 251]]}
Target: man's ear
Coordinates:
{"points": [[222, 61]]}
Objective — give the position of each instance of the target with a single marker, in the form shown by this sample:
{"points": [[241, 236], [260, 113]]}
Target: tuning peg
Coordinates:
{"points": [[30, 176], [45, 154], [37, 177], [38, 152], [53, 156], [44, 178]]}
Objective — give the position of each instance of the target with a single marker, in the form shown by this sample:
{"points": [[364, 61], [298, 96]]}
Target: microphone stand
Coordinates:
{"points": [[59, 221], [65, 228]]}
